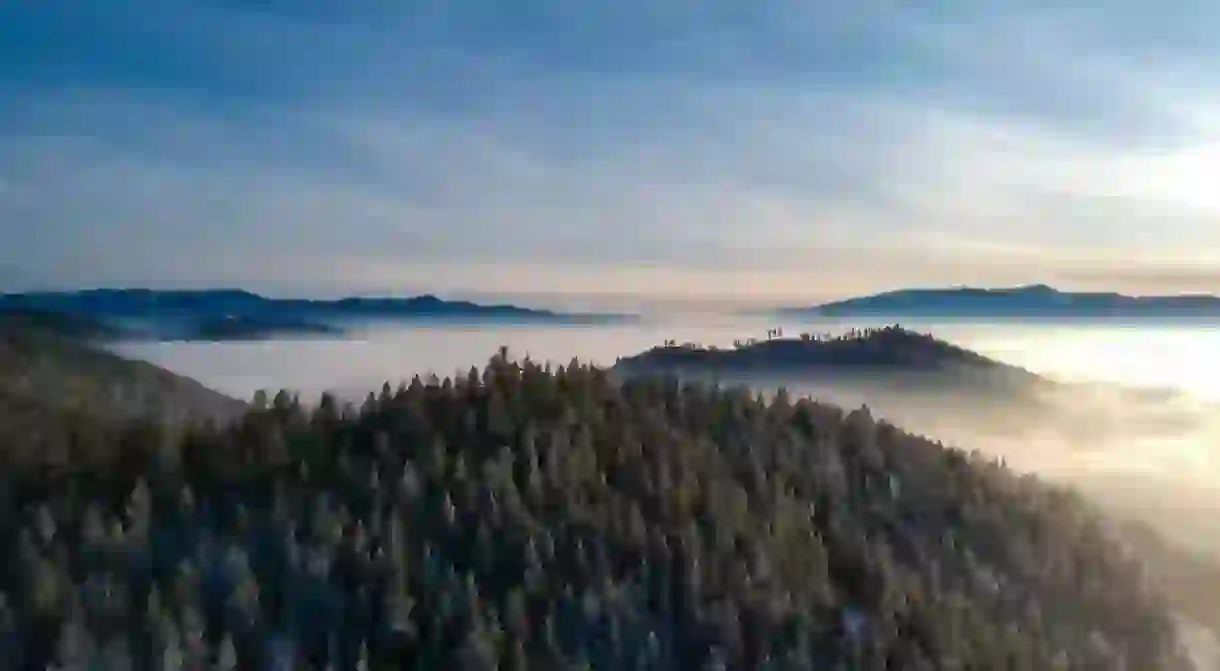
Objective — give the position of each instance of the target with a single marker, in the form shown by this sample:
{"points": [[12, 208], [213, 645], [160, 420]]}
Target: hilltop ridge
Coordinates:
{"points": [[892, 350]]}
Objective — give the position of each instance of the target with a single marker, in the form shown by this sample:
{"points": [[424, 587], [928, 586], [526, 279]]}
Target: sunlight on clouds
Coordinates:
{"points": [[1183, 177], [912, 195], [967, 147]]}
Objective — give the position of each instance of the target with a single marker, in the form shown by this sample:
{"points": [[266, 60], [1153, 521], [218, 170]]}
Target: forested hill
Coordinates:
{"points": [[892, 350], [524, 517]]}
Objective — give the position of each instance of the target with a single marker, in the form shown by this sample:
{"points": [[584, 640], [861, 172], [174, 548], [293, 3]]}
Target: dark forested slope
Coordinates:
{"points": [[49, 322], [53, 382], [549, 519]]}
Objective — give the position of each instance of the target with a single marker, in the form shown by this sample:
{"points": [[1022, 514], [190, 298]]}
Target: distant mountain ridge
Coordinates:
{"points": [[1036, 300], [221, 314], [55, 324]]}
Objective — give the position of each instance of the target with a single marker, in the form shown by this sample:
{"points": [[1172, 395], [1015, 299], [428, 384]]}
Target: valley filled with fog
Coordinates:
{"points": [[1166, 444]]}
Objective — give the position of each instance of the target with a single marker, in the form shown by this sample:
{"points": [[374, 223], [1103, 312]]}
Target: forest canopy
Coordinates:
{"points": [[526, 516]]}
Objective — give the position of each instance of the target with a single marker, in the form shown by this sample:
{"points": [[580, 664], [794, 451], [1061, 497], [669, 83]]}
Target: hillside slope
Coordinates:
{"points": [[522, 517], [51, 382]]}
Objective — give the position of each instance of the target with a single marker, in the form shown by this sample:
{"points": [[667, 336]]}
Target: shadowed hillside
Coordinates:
{"points": [[528, 517], [52, 323], [54, 385]]}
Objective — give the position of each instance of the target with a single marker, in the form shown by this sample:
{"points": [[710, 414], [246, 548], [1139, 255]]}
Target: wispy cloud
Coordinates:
{"points": [[773, 148]]}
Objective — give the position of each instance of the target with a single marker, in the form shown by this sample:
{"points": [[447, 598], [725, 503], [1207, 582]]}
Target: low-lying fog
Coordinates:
{"points": [[1161, 463]]}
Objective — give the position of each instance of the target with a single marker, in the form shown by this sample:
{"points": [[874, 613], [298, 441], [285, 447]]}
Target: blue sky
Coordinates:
{"points": [[762, 150]]}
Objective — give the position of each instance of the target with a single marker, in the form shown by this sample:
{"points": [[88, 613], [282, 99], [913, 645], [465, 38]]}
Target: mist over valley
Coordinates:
{"points": [[1134, 401]]}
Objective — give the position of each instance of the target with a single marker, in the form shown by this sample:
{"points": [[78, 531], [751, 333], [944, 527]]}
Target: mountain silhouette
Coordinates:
{"points": [[224, 314], [1036, 300]]}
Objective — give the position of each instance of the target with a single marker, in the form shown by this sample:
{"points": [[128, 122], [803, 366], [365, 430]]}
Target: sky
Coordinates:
{"points": [[769, 150]]}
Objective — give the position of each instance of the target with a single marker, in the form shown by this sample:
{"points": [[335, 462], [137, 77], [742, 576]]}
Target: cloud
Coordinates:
{"points": [[772, 148]]}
